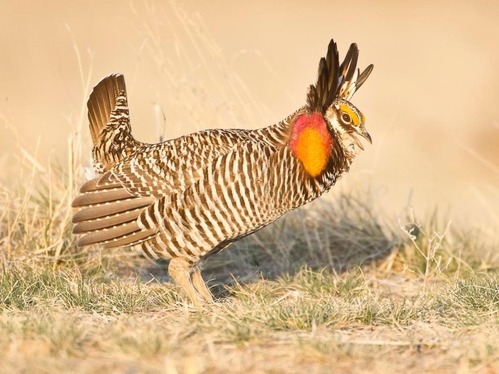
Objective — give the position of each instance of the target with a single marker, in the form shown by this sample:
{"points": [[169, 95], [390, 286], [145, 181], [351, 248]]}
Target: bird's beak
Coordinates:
{"points": [[366, 136], [358, 142]]}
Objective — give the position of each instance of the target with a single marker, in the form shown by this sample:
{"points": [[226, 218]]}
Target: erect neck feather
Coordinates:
{"points": [[311, 142]]}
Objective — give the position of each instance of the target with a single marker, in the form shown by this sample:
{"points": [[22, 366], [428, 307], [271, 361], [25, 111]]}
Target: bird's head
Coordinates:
{"points": [[330, 121], [348, 122], [331, 95]]}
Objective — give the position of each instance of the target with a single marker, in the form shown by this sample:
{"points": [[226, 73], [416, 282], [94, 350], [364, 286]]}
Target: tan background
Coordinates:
{"points": [[431, 102]]}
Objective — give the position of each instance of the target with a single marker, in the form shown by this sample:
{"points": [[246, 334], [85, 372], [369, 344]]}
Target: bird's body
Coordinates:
{"points": [[187, 198]]}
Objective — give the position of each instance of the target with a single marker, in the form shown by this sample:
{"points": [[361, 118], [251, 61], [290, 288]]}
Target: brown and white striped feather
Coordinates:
{"points": [[109, 123], [110, 205], [237, 194], [107, 211]]}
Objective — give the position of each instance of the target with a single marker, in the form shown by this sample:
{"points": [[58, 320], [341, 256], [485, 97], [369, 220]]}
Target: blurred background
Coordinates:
{"points": [[431, 103]]}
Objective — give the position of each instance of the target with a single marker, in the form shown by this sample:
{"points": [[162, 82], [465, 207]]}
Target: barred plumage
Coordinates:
{"points": [[190, 197]]}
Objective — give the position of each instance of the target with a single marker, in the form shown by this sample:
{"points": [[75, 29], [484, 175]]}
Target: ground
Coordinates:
{"points": [[347, 292]]}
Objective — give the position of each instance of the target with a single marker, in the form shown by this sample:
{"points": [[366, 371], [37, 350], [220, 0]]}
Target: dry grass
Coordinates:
{"points": [[333, 286]]}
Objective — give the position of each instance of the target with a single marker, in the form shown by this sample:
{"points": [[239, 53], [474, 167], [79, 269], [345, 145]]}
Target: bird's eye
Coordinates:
{"points": [[346, 118]]}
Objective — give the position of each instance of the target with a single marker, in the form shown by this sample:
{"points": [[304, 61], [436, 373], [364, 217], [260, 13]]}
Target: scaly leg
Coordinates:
{"points": [[200, 285], [180, 269]]}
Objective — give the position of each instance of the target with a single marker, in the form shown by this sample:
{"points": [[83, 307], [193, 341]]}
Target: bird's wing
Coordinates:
{"points": [[233, 197], [108, 206], [168, 167]]}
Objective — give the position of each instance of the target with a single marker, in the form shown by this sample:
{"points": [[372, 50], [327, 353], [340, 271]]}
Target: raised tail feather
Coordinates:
{"points": [[109, 123], [107, 212], [102, 102]]}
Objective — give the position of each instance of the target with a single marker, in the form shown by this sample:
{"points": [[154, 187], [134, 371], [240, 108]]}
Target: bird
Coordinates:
{"points": [[188, 198]]}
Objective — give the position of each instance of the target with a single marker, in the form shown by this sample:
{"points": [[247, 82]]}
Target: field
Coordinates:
{"points": [[357, 281]]}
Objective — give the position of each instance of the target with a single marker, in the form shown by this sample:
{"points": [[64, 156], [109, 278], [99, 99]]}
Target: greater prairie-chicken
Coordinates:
{"points": [[187, 198]]}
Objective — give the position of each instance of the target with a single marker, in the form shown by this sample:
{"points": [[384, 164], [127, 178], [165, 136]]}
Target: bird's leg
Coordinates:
{"points": [[180, 270], [200, 285]]}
